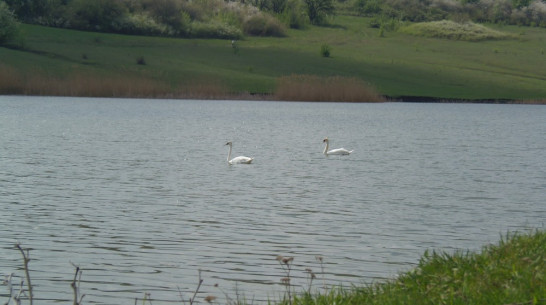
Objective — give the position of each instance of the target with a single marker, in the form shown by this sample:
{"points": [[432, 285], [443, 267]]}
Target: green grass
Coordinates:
{"points": [[511, 272], [398, 64]]}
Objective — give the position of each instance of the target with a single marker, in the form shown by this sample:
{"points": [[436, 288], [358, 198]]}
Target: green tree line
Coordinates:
{"points": [[175, 18], [515, 12], [233, 19]]}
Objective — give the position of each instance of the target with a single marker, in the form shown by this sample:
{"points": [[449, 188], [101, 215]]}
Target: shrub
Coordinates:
{"points": [[263, 25], [278, 6], [141, 24], [214, 29], [451, 30], [368, 7], [385, 24], [325, 50], [194, 10], [170, 13], [532, 15], [318, 10], [8, 24], [235, 14], [30, 10], [140, 60], [97, 15], [294, 14]]}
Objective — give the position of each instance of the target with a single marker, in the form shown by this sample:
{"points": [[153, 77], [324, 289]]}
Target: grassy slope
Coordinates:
{"points": [[398, 64], [512, 272]]}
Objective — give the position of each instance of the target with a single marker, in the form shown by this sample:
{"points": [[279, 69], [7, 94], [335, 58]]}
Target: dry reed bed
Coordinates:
{"points": [[331, 89], [16, 83], [289, 88]]}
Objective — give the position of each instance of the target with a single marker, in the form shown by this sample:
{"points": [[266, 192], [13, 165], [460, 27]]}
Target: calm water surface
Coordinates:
{"points": [[138, 193]]}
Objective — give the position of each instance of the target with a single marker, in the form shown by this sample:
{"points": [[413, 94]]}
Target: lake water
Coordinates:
{"points": [[138, 192]]}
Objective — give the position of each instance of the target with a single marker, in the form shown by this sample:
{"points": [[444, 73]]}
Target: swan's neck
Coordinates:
{"points": [[326, 148], [229, 153]]}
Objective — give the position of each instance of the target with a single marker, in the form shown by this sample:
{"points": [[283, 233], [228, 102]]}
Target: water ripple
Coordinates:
{"points": [[138, 194]]}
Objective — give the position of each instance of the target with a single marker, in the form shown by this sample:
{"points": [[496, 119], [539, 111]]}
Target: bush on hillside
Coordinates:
{"points": [[263, 25], [368, 7], [456, 31], [97, 15], [520, 12], [532, 15], [318, 10], [29, 10], [214, 29], [278, 6], [170, 13], [142, 24], [294, 14]]}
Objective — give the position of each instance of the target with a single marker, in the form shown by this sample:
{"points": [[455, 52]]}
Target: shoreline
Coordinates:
{"points": [[272, 97], [438, 100]]}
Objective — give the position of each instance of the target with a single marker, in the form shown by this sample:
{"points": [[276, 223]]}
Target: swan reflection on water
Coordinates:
{"points": [[337, 151], [237, 160]]}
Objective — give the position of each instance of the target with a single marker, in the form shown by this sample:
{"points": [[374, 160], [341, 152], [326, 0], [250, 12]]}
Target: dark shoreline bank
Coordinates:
{"points": [[428, 99], [271, 97]]}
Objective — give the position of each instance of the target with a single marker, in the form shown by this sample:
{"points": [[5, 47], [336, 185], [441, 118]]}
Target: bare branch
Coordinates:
{"points": [[76, 286], [26, 259], [197, 289]]}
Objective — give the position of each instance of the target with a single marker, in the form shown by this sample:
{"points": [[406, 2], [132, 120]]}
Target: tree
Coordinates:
{"points": [[278, 6], [97, 15], [36, 11], [368, 7], [317, 10], [520, 3], [8, 24]]}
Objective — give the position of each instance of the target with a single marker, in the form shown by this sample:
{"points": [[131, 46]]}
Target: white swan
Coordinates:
{"points": [[237, 160], [337, 151]]}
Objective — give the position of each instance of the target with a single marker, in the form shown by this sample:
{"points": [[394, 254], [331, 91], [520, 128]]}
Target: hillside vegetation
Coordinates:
{"points": [[235, 18], [511, 272], [384, 54], [457, 31]]}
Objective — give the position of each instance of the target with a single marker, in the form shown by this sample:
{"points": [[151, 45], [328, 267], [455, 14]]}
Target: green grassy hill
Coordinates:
{"points": [[511, 272], [397, 64]]}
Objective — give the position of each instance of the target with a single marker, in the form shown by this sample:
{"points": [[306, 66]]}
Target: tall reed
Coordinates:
{"points": [[15, 82], [10, 80], [331, 89]]}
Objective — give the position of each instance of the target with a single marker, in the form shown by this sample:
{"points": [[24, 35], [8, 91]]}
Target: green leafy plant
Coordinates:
{"points": [[325, 50]]}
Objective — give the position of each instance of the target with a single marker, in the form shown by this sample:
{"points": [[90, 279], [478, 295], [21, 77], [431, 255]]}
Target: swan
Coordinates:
{"points": [[237, 160], [337, 151]]}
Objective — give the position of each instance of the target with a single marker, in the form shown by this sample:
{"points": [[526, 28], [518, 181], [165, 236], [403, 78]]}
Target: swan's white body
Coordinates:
{"points": [[337, 151], [237, 160]]}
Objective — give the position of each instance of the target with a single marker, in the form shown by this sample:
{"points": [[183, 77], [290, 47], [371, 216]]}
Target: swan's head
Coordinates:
{"points": [[325, 140], [229, 143]]}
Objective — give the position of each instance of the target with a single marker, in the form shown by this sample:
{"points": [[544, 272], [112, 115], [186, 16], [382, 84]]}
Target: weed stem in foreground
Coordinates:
{"points": [[76, 286], [26, 259]]}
